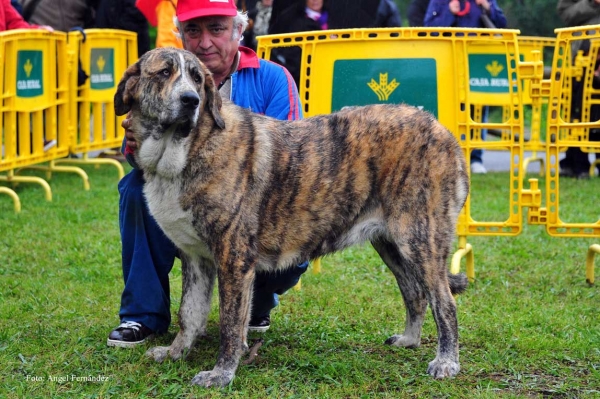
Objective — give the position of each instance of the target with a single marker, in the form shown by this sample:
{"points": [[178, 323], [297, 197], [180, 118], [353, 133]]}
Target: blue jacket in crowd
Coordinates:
{"points": [[439, 15]]}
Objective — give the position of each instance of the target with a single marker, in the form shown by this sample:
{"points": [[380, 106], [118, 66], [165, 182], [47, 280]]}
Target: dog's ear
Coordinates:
{"points": [[126, 89], [213, 98]]}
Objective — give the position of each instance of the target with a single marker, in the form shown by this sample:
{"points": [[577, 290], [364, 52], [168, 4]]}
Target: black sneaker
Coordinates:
{"points": [[260, 324], [129, 334], [569, 172]]}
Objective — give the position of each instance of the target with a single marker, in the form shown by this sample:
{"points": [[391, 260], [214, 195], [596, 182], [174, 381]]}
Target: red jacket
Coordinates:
{"points": [[11, 19]]}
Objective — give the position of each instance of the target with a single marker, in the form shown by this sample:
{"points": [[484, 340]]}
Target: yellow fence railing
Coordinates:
{"points": [[576, 58], [105, 54], [453, 73], [35, 98], [431, 68], [45, 116]]}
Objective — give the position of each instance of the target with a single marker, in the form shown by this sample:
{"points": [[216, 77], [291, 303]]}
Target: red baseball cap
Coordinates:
{"points": [[190, 9]]}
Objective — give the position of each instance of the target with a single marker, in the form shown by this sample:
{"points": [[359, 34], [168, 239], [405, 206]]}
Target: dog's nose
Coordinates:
{"points": [[190, 99]]}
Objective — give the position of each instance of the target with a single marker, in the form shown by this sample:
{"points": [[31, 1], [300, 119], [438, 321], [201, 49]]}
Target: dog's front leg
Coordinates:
{"points": [[198, 278], [235, 284]]}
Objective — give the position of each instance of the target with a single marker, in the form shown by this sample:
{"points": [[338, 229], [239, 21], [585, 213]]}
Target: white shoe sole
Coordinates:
{"points": [[124, 344], [258, 329], [478, 168]]}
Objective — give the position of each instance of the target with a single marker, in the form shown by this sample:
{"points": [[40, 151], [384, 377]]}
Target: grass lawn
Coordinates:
{"points": [[529, 325]]}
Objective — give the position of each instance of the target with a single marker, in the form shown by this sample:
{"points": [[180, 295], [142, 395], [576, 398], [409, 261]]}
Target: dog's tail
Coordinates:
{"points": [[458, 283]]}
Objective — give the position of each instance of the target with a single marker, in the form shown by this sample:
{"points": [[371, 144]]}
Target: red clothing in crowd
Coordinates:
{"points": [[11, 19]]}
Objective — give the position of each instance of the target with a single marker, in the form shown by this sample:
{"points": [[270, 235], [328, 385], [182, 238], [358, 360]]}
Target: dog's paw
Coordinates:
{"points": [[214, 378], [439, 369], [403, 341], [158, 353]]}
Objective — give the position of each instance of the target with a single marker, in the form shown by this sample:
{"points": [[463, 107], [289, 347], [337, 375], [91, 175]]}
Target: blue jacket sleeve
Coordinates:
{"points": [[438, 14], [497, 16]]}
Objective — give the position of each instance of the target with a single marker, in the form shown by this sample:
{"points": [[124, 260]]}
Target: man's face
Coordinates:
{"points": [[211, 39], [315, 5]]}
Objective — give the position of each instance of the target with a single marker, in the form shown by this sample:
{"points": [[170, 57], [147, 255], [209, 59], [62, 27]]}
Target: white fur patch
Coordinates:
{"points": [[162, 196], [166, 157]]}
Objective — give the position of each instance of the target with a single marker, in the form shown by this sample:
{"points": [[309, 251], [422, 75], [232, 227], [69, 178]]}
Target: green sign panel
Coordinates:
{"points": [[102, 73], [385, 81], [488, 73], [29, 73]]}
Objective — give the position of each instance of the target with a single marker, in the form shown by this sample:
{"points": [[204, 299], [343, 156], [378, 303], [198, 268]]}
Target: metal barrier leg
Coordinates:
{"points": [[593, 167], [589, 264], [95, 161], [28, 179], [69, 169], [534, 158], [316, 266], [316, 269], [14, 196], [464, 250]]}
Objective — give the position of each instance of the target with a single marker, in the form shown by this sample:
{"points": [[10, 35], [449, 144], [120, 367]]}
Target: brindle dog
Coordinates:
{"points": [[239, 192]]}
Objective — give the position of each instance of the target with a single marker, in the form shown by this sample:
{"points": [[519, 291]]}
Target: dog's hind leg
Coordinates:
{"points": [[198, 275], [443, 308], [411, 287], [422, 277]]}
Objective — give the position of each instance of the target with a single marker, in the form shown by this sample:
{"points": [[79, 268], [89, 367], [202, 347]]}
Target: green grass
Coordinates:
{"points": [[529, 325]]}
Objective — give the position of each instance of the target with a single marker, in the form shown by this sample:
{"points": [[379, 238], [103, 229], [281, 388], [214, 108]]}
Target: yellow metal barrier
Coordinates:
{"points": [[34, 112], [105, 54], [564, 133], [431, 68]]}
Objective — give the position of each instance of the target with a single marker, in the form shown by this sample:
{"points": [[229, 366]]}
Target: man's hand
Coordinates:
{"points": [[129, 135]]}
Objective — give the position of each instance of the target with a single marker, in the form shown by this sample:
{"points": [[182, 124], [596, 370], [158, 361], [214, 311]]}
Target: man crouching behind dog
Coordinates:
{"points": [[212, 31], [240, 193]]}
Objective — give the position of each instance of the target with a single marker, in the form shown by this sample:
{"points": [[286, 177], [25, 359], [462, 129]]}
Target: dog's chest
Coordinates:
{"points": [[163, 197]]}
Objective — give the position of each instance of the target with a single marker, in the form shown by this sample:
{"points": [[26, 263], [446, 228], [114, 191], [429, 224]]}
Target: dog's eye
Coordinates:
{"points": [[197, 78], [165, 72]]}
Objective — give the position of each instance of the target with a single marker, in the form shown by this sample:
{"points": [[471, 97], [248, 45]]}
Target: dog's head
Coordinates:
{"points": [[167, 87]]}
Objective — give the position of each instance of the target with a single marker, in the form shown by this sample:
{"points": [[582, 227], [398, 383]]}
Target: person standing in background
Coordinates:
{"points": [[166, 32], [416, 12], [11, 19], [576, 163], [308, 15], [463, 13], [388, 15], [123, 14], [259, 18], [467, 14], [62, 15]]}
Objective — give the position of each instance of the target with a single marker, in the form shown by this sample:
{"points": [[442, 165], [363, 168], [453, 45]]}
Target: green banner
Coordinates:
{"points": [[385, 81], [488, 73], [102, 74], [30, 64]]}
